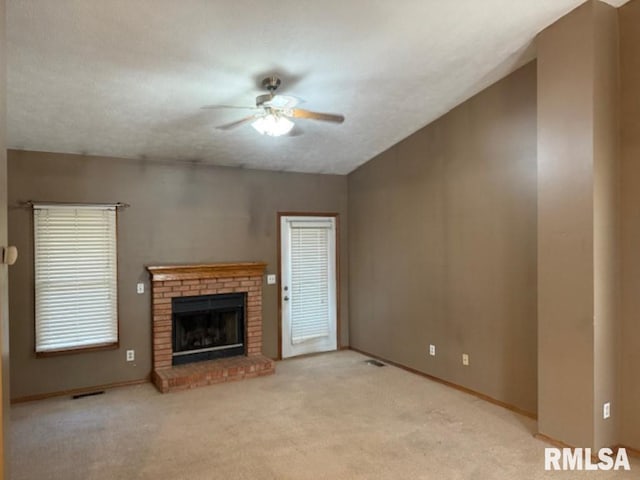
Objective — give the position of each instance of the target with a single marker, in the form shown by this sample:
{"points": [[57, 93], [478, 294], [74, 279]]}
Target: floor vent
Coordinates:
{"points": [[88, 394], [375, 363]]}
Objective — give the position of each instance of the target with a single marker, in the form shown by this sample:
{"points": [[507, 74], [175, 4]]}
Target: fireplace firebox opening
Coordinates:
{"points": [[207, 327]]}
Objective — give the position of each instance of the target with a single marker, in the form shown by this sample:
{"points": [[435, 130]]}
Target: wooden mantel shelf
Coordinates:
{"points": [[164, 273]]}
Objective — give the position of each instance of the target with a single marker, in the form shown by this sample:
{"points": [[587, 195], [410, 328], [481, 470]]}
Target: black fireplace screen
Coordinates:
{"points": [[207, 327]]}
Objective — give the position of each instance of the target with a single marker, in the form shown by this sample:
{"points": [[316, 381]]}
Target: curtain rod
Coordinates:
{"points": [[32, 203]]}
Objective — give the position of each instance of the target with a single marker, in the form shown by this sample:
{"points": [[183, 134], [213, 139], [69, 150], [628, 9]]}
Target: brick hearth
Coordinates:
{"points": [[191, 280], [198, 374]]}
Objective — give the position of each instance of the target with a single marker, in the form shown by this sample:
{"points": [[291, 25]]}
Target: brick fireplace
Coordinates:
{"points": [[177, 281]]}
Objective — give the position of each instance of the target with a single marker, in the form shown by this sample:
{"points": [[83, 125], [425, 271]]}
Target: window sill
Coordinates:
{"points": [[75, 350]]}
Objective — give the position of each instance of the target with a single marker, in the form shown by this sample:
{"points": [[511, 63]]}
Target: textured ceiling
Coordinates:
{"points": [[127, 78]]}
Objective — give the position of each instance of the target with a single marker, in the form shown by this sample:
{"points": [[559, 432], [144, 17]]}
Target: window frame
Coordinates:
{"points": [[81, 348]]}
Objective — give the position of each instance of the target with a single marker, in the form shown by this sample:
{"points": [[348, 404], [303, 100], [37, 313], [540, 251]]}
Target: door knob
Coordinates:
{"points": [[286, 298]]}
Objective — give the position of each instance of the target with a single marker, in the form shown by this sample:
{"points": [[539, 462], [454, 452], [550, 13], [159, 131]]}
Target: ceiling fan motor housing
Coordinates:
{"points": [[270, 83], [262, 99]]}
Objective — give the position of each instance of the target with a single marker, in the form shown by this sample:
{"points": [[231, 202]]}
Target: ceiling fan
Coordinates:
{"points": [[272, 112]]}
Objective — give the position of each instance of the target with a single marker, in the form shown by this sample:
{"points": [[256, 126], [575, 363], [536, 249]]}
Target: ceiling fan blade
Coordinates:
{"points": [[326, 117], [235, 107], [237, 123]]}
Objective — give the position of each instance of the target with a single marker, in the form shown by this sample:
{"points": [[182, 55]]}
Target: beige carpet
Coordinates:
{"points": [[329, 416]]}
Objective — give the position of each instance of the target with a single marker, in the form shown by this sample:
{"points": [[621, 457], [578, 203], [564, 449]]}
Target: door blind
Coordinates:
{"points": [[310, 314], [75, 276]]}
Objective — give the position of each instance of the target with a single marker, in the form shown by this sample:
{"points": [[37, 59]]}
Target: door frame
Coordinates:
{"points": [[336, 217]]}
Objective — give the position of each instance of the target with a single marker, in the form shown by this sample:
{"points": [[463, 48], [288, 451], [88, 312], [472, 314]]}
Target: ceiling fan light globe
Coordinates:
{"points": [[272, 125]]}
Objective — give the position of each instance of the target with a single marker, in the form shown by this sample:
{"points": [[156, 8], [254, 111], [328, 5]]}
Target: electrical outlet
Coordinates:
{"points": [[131, 355], [432, 350], [606, 410], [140, 288], [465, 359]]}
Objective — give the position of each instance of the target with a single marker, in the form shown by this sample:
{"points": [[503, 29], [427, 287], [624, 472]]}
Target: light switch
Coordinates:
{"points": [[271, 279], [140, 288]]}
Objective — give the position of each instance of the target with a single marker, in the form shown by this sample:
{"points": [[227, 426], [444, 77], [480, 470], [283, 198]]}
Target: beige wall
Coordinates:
{"points": [[565, 231], [442, 231], [178, 214], [577, 226], [4, 303], [606, 188], [629, 16]]}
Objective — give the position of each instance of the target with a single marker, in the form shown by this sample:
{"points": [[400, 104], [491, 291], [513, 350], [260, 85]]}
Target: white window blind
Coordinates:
{"points": [[75, 276], [310, 309]]}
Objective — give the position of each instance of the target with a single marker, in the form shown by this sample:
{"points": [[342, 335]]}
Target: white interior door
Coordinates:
{"points": [[308, 284]]}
